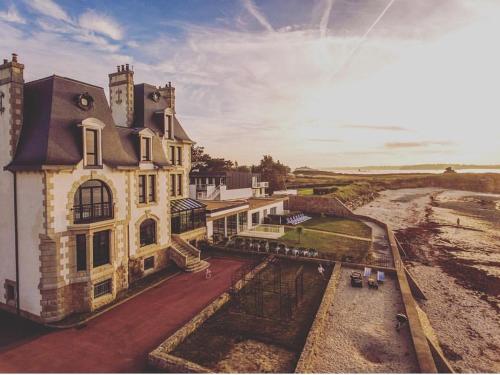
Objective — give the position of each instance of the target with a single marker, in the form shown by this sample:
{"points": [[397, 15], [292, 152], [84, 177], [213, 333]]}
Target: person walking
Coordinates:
{"points": [[321, 270]]}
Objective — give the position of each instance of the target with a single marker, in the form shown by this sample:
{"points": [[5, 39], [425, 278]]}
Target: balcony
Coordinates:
{"points": [[91, 213], [259, 185]]}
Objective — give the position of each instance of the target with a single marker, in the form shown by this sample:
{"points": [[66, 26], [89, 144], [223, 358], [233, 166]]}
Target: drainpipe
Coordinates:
{"points": [[16, 237]]}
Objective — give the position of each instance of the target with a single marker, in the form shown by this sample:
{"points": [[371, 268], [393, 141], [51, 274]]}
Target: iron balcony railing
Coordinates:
{"points": [[90, 213]]}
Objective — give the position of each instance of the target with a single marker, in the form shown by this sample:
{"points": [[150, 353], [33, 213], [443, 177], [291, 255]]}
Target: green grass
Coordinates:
{"points": [[305, 191], [331, 246], [339, 225]]}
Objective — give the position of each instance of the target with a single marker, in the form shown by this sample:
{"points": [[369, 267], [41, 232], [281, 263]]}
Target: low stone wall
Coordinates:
{"points": [[310, 347], [318, 205], [422, 348], [160, 357]]}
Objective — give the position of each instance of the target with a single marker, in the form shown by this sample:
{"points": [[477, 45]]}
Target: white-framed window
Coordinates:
{"points": [[146, 148], [92, 142]]}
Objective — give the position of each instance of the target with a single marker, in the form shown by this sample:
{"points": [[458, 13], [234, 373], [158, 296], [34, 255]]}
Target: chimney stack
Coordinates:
{"points": [[169, 93], [11, 106], [121, 95]]}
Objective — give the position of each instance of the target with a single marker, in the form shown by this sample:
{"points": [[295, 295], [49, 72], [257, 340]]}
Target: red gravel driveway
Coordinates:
{"points": [[120, 339]]}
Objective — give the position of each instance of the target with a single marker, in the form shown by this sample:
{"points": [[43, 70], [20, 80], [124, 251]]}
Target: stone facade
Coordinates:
{"points": [[52, 286]]}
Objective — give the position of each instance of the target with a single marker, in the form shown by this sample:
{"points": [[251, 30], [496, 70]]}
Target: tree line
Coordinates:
{"points": [[270, 170]]}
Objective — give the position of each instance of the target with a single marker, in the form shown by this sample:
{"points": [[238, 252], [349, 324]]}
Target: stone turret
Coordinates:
{"points": [[121, 95]]}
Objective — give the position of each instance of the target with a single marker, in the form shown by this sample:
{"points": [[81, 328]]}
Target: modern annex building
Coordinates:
{"points": [[94, 195]]}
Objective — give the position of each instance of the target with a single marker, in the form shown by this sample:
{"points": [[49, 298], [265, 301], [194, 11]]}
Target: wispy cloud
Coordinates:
{"points": [[259, 16], [102, 24], [376, 127], [49, 8], [396, 145], [325, 140], [325, 18], [12, 15]]}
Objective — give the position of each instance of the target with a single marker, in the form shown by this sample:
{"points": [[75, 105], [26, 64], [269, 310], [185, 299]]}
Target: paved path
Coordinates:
{"points": [[119, 340]]}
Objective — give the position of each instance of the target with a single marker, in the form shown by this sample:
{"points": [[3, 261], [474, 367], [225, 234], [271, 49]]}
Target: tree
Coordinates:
{"points": [[273, 172], [299, 231], [199, 158]]}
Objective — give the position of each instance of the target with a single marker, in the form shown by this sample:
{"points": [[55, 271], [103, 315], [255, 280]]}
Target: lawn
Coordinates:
{"points": [[339, 225], [305, 191], [329, 245]]}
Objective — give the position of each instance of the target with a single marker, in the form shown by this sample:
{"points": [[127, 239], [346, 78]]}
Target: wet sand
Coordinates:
{"points": [[457, 266]]}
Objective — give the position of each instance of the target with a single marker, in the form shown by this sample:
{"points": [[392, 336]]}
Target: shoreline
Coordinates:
{"points": [[456, 266]]}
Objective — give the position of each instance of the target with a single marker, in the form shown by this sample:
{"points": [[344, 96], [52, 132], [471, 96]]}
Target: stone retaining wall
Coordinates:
{"points": [[160, 357], [310, 347]]}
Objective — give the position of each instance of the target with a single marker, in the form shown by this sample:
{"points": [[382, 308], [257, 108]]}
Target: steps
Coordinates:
{"points": [[186, 256]]}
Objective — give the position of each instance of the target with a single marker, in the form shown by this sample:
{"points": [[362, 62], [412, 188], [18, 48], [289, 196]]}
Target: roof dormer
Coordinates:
{"points": [[146, 145], [92, 142]]}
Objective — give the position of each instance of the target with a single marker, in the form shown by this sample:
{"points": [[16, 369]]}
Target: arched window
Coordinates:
{"points": [[92, 202], [148, 232]]}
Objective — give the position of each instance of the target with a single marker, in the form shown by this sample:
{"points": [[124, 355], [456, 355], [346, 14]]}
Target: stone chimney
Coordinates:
{"points": [[168, 92], [121, 95], [11, 107]]}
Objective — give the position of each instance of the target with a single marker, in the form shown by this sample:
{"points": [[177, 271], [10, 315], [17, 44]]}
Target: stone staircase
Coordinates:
{"points": [[186, 256]]}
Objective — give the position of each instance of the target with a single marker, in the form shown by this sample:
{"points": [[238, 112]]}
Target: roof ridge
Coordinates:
{"points": [[61, 77]]}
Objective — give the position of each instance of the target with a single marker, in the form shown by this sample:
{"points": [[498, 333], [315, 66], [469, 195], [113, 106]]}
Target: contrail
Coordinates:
{"points": [[254, 11], [323, 25], [363, 38]]}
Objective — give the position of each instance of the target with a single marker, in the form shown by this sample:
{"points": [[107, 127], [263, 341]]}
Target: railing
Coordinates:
{"points": [[214, 194], [268, 228], [89, 213], [261, 184], [184, 245], [178, 257]]}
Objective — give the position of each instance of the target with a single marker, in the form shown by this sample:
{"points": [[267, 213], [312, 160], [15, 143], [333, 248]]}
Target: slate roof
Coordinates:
{"points": [[50, 135], [149, 114]]}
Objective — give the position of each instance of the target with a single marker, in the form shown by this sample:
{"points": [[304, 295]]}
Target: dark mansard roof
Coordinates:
{"points": [[149, 114], [50, 135]]}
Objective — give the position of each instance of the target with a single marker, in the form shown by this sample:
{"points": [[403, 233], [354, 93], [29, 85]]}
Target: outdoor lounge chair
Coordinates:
{"points": [[367, 272], [380, 276]]}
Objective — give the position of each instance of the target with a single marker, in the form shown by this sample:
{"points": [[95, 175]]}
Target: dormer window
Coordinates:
{"points": [[146, 149], [92, 143], [91, 147]]}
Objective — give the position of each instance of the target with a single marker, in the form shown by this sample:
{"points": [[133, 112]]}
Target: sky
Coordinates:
{"points": [[321, 83]]}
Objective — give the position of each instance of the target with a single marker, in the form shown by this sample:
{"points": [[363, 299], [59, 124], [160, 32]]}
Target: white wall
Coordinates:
{"points": [[243, 193], [7, 241], [31, 219], [279, 211]]}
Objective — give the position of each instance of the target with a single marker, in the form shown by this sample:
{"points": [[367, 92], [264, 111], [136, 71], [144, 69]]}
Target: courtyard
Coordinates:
{"points": [[120, 339]]}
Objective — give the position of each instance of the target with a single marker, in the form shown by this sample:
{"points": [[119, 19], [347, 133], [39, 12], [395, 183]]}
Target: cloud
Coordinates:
{"points": [[254, 11], [375, 127], [101, 24], [396, 145], [49, 8], [325, 140], [323, 25], [12, 15]]}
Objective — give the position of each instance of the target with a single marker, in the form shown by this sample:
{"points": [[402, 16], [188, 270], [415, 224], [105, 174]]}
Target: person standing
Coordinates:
{"points": [[458, 221]]}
